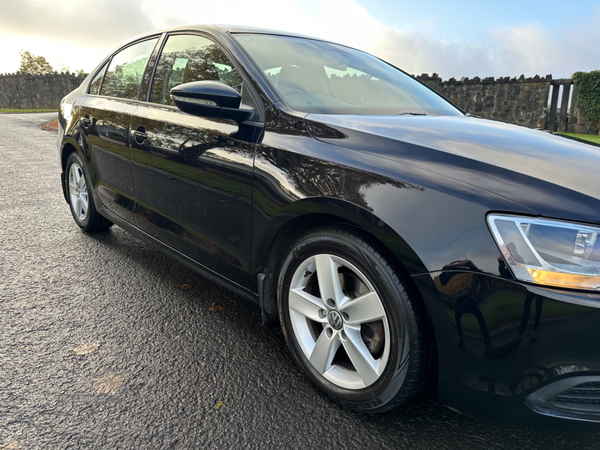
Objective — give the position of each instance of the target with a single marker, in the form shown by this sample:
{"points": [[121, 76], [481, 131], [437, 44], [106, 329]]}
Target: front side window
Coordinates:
{"points": [[187, 58], [319, 77], [126, 70]]}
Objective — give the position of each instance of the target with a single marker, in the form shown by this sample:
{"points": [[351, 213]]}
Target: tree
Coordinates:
{"points": [[34, 64]]}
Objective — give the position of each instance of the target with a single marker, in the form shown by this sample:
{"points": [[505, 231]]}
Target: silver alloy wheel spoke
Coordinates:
{"points": [[329, 281], [364, 309], [307, 305], [84, 203], [359, 355], [324, 350]]}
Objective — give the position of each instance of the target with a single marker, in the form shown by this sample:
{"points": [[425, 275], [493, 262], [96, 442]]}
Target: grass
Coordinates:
{"points": [[8, 110], [586, 137]]}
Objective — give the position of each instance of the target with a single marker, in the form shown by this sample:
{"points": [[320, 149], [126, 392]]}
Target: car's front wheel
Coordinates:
{"points": [[80, 197], [352, 322]]}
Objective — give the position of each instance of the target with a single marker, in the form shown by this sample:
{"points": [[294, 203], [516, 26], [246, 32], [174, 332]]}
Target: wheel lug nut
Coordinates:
{"points": [[346, 316], [329, 332], [331, 302]]}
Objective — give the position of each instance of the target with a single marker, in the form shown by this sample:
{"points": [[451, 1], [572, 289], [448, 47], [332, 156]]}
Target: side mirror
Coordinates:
{"points": [[210, 99]]}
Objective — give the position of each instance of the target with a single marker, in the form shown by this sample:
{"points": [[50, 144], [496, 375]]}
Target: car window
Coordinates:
{"points": [[320, 77], [126, 70], [97, 81], [187, 58]]}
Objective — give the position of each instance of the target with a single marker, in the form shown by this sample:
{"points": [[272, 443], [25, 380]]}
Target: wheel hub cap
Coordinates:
{"points": [[335, 320]]}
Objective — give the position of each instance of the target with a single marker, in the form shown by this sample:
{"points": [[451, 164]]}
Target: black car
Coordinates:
{"points": [[395, 239]]}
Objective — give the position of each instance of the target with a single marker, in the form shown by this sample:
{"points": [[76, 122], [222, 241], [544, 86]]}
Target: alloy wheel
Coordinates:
{"points": [[78, 193], [339, 321]]}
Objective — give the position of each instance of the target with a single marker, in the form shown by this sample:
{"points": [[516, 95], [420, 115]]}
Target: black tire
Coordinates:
{"points": [[403, 371], [89, 219]]}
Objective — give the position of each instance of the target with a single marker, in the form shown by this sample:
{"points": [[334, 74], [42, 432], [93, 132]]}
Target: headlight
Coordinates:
{"points": [[549, 252]]}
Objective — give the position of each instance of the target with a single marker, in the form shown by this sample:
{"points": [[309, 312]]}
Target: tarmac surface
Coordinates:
{"points": [[102, 348]]}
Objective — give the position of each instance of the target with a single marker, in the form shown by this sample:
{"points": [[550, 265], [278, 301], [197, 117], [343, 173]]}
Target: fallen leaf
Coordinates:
{"points": [[31, 348], [51, 126], [109, 384], [215, 308], [219, 405], [86, 349], [11, 446], [186, 286]]}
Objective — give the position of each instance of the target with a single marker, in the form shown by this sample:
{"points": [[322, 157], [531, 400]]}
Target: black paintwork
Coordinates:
{"points": [[228, 199]]}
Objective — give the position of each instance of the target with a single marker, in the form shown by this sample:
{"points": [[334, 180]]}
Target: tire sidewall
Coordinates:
{"points": [[396, 305]]}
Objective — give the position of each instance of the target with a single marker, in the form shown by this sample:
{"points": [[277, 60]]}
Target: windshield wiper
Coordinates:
{"points": [[412, 114]]}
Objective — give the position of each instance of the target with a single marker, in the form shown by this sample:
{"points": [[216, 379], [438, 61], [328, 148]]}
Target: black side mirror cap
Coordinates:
{"points": [[210, 99]]}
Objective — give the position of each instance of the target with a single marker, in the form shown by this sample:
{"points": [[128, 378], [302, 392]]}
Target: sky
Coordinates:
{"points": [[457, 39]]}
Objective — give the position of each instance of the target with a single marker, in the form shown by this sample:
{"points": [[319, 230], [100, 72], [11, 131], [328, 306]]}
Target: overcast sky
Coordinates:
{"points": [[455, 39]]}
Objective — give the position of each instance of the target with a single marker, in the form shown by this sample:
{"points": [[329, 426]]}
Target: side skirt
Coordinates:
{"points": [[178, 256]]}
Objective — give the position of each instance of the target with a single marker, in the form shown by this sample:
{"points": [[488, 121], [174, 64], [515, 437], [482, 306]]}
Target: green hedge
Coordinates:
{"points": [[587, 89]]}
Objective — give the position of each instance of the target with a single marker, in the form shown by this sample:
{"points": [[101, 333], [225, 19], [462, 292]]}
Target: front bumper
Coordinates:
{"points": [[513, 352]]}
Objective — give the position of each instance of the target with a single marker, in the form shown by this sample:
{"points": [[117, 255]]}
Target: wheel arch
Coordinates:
{"points": [[300, 217], [321, 212]]}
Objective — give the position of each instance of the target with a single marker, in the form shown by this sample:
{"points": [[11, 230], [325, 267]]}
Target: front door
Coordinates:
{"points": [[193, 175]]}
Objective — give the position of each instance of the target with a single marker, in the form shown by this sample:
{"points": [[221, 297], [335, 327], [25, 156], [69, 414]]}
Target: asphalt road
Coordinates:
{"points": [[156, 367]]}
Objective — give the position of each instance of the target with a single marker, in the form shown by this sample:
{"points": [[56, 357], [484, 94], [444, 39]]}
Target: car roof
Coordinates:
{"points": [[224, 29]]}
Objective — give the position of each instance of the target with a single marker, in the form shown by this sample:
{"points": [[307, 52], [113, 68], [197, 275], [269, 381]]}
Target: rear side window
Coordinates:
{"points": [[97, 81], [187, 58], [126, 70]]}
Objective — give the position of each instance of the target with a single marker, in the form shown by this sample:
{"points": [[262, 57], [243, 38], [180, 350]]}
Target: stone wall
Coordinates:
{"points": [[521, 101], [26, 91]]}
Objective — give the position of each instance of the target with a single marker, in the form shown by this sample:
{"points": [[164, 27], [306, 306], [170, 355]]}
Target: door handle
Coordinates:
{"points": [[139, 135], [87, 121]]}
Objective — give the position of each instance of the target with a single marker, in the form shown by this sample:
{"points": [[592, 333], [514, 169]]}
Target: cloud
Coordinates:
{"points": [[95, 24], [506, 50], [78, 33]]}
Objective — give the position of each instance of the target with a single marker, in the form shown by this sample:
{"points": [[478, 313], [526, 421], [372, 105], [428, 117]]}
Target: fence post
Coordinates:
{"points": [[551, 123], [563, 124]]}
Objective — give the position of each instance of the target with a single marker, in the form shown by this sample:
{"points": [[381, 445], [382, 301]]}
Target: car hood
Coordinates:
{"points": [[509, 160]]}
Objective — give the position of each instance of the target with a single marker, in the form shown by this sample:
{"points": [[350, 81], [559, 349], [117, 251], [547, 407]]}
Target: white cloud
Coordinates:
{"points": [[507, 50], [79, 33]]}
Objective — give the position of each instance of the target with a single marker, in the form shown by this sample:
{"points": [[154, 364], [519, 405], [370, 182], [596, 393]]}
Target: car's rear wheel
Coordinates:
{"points": [[80, 197], [352, 322]]}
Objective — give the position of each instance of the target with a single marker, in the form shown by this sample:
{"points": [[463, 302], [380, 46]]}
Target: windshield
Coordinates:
{"points": [[319, 77]]}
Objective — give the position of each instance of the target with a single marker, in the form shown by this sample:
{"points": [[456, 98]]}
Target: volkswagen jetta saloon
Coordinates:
{"points": [[394, 238]]}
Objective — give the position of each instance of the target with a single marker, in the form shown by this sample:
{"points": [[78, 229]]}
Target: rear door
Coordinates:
{"points": [[107, 109], [193, 175]]}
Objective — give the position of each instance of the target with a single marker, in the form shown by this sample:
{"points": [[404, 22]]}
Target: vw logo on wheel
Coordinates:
{"points": [[335, 320]]}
